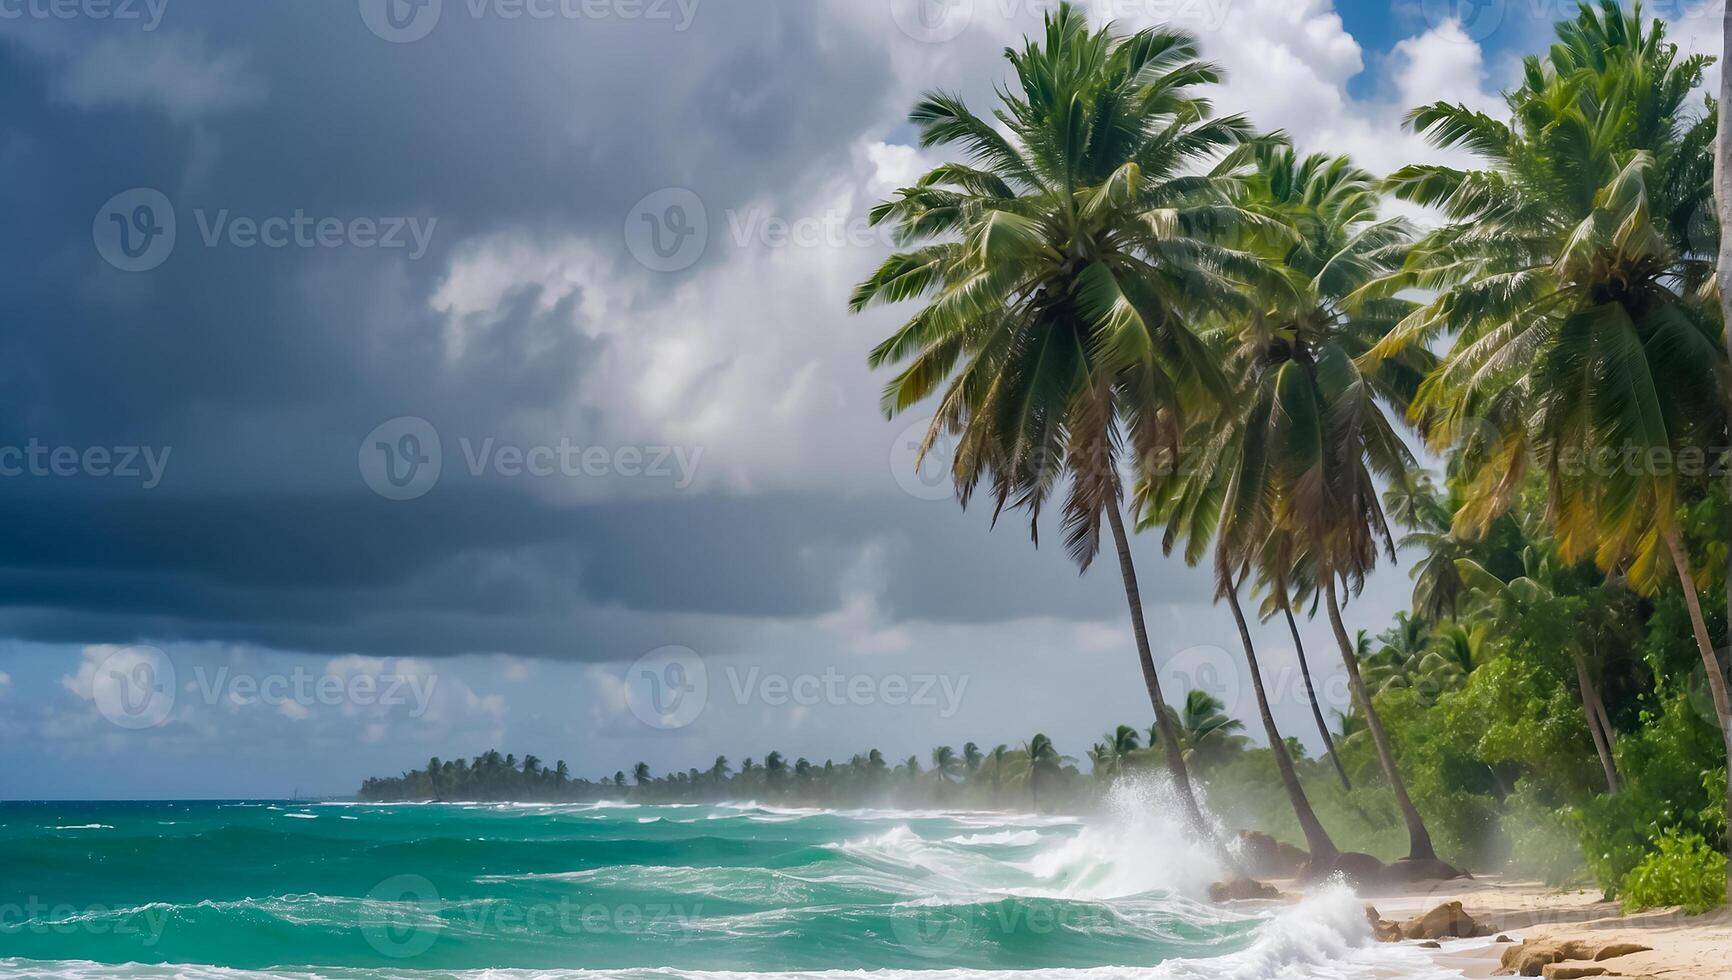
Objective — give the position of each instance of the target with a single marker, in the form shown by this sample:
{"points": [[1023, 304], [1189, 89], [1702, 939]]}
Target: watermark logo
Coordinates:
{"points": [[134, 687], [932, 932], [401, 458], [1205, 668], [147, 14], [668, 230], [135, 230], [1478, 19], [401, 21], [400, 916], [35, 458], [923, 477], [667, 688], [932, 21]]}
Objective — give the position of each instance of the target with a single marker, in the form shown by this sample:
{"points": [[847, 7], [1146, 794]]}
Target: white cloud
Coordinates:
{"points": [[172, 73]]}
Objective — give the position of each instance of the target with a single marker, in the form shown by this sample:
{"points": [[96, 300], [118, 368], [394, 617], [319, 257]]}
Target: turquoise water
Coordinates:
{"points": [[252, 889]]}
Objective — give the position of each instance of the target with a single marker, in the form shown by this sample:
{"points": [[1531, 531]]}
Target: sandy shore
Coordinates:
{"points": [[1683, 946]]}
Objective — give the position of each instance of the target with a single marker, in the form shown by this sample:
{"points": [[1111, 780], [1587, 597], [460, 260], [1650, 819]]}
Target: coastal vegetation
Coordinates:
{"points": [[1175, 323]]}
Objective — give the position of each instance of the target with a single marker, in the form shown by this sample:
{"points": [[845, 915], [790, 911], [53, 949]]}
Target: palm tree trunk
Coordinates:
{"points": [[1723, 272], [1710, 660], [1602, 736], [1418, 838], [1151, 680], [1311, 694], [1323, 850]]}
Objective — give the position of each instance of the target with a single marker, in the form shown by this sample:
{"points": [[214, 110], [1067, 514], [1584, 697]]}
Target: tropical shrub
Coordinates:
{"points": [[1683, 871]]}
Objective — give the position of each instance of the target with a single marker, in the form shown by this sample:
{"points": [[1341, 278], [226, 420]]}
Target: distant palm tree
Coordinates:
{"points": [[719, 769], [946, 767], [1207, 735], [1037, 762], [971, 758], [640, 773], [1060, 269]]}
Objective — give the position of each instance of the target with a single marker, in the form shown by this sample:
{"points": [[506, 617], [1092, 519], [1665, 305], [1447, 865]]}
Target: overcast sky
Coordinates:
{"points": [[406, 375]]}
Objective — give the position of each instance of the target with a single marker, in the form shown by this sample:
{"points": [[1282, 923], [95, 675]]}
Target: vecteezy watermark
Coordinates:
{"points": [[147, 14], [37, 917], [402, 458], [1205, 668], [941, 931], [135, 687], [668, 230], [938, 21], [401, 917], [1478, 20], [1221, 674], [137, 230], [669, 687], [1659, 462], [406, 21], [924, 476], [35, 459]]}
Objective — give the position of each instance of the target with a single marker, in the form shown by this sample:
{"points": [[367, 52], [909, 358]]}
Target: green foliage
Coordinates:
{"points": [[1683, 870], [1674, 783], [1543, 837]]}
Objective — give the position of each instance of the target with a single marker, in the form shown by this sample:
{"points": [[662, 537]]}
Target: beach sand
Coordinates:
{"points": [[1683, 946]]}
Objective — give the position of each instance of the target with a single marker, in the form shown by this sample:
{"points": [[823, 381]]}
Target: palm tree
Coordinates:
{"points": [[971, 759], [1285, 577], [1059, 270], [719, 769], [1570, 285], [1723, 206], [1509, 602], [1286, 476], [996, 765], [1210, 734], [640, 773], [946, 767], [1037, 761], [1415, 505], [1117, 748]]}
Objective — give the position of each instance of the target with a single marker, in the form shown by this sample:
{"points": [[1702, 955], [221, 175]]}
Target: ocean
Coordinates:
{"points": [[247, 890]]}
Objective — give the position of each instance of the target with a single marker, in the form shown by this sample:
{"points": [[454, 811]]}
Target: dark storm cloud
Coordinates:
{"points": [[496, 572], [262, 368]]}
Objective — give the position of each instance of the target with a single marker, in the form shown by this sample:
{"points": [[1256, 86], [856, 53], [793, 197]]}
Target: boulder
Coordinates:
{"points": [[1241, 889], [1410, 870], [1532, 957], [1614, 950], [1383, 930], [1447, 921], [1566, 971], [1355, 868], [1267, 857], [1430, 944], [1501, 938]]}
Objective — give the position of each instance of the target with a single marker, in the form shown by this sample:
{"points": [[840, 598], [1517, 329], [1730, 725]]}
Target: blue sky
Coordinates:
{"points": [[494, 357]]}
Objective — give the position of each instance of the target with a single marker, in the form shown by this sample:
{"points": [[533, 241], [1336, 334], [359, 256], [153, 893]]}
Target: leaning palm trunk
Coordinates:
{"points": [[1601, 732], [1323, 850], [1169, 737], [1419, 839], [1311, 694], [1710, 662], [1723, 271]]}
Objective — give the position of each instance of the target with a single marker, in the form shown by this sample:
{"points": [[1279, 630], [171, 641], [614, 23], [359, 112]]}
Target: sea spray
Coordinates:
{"points": [[246, 891]]}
